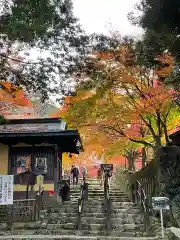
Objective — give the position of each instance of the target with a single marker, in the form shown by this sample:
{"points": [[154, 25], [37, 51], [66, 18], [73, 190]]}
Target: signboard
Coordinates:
{"points": [[41, 166], [159, 203], [107, 167], [30, 127], [6, 189], [23, 163]]}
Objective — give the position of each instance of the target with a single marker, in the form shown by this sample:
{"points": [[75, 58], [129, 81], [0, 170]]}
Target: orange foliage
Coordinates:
{"points": [[124, 54], [165, 61], [131, 107], [14, 95], [147, 108], [14, 102], [69, 100]]}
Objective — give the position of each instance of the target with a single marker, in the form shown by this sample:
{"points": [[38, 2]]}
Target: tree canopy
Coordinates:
{"points": [[160, 21], [159, 15], [48, 27], [124, 102], [43, 45]]}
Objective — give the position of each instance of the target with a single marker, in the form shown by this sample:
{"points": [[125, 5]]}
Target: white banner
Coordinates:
{"points": [[6, 189]]}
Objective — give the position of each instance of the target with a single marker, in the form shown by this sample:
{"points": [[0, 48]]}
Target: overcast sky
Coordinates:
{"points": [[96, 15]]}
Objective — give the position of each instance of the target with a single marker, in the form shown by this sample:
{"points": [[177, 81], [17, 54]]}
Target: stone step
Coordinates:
{"points": [[123, 203], [125, 210], [118, 195], [95, 193], [65, 208], [69, 210], [61, 219], [93, 201], [115, 227], [119, 207], [56, 214], [127, 227], [93, 214], [128, 216], [113, 220], [92, 205], [70, 214], [116, 192], [102, 199], [104, 233], [65, 226], [73, 236], [94, 209], [113, 215], [115, 199], [89, 232], [90, 220], [70, 203], [98, 199]]}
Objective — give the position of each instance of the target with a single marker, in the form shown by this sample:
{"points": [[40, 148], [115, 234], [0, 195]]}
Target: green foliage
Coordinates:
{"points": [[160, 21], [122, 179], [48, 27], [159, 15], [121, 147], [51, 29], [125, 148], [153, 44], [3, 120]]}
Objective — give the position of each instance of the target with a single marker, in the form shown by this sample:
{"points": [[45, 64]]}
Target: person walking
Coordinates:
{"points": [[75, 174], [109, 178]]}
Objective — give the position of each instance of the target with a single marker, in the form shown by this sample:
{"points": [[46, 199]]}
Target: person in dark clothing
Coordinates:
{"points": [[64, 192], [75, 173]]}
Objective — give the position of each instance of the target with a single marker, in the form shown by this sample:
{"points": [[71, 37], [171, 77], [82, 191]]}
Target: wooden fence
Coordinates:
{"points": [[21, 210], [147, 177]]}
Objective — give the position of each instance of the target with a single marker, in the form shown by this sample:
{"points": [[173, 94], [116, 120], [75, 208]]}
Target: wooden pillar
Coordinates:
{"points": [[58, 166], [10, 164]]}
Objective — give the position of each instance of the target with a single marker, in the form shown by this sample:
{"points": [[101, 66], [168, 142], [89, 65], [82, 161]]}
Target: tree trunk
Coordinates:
{"points": [[156, 162], [143, 157], [131, 166], [158, 142]]}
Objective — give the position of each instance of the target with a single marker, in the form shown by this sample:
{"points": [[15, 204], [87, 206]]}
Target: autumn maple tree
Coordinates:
{"points": [[123, 101], [129, 150]]}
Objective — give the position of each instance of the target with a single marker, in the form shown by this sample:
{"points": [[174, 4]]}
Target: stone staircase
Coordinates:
{"points": [[122, 221]]}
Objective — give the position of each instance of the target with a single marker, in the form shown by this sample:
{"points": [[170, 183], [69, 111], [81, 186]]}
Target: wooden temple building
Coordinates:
{"points": [[36, 145]]}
